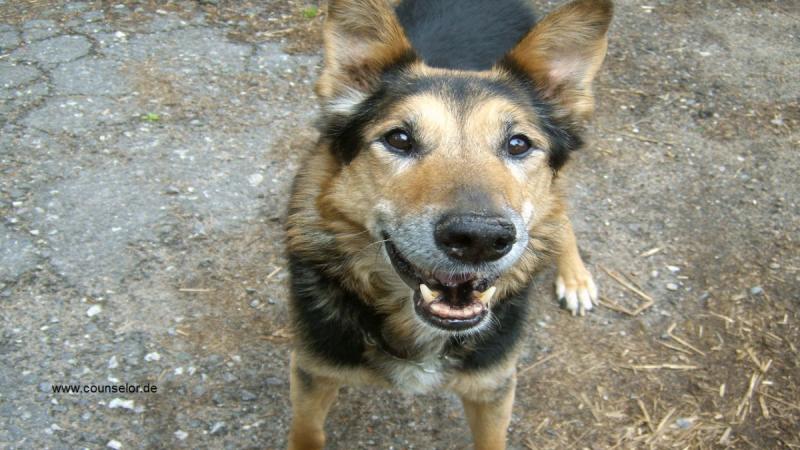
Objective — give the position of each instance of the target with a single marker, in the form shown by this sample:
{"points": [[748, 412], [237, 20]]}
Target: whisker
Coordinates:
{"points": [[373, 243]]}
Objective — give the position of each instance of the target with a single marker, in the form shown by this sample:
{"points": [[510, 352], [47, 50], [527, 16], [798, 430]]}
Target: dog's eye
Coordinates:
{"points": [[399, 140], [519, 146]]}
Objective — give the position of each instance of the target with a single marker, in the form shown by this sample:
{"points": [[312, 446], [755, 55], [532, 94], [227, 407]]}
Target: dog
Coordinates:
{"points": [[434, 195]]}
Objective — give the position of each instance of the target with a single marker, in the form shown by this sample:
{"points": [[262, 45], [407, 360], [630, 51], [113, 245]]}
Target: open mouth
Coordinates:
{"points": [[452, 302]]}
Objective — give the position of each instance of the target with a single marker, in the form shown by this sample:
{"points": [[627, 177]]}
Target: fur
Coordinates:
{"points": [[461, 79]]}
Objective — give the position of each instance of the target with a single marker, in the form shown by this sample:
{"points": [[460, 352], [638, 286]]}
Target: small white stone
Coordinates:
{"points": [[115, 444], [672, 286], [181, 435], [674, 269], [121, 403], [216, 427], [113, 363], [179, 371], [94, 310], [255, 179], [152, 356]]}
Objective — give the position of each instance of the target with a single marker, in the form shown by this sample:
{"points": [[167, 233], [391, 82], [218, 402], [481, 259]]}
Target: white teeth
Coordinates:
{"points": [[439, 308], [486, 296], [460, 313], [427, 294]]}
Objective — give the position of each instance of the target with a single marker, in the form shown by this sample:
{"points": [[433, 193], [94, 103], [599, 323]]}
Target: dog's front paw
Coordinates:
{"points": [[576, 290]]}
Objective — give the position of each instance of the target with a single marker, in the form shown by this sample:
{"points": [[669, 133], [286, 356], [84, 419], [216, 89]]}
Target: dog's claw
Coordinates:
{"points": [[560, 288], [578, 293]]}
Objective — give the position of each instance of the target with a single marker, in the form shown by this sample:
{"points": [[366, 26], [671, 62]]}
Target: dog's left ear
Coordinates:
{"points": [[563, 53], [362, 39]]}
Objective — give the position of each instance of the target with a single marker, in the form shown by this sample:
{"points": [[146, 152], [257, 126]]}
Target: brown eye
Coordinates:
{"points": [[399, 140], [519, 146]]}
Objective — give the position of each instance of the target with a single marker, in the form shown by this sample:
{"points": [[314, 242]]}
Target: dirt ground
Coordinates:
{"points": [[146, 153]]}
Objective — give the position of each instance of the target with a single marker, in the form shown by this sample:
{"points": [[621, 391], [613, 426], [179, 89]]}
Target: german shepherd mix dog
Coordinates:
{"points": [[433, 197]]}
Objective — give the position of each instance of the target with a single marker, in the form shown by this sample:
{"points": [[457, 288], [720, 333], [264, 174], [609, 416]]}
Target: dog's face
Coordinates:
{"points": [[452, 170]]}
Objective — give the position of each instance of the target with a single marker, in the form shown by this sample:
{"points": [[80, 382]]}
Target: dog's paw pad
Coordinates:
{"points": [[577, 293]]}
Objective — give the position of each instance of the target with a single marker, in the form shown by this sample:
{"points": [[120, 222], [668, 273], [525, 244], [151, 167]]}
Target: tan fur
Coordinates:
{"points": [[345, 196], [311, 399], [333, 207], [487, 397], [361, 37], [489, 416], [564, 52], [570, 265]]}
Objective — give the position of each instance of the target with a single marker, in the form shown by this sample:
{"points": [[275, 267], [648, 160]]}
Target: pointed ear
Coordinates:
{"points": [[362, 38], [564, 51]]}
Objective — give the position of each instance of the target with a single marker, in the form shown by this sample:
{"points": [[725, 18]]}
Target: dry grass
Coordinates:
{"points": [[721, 377]]}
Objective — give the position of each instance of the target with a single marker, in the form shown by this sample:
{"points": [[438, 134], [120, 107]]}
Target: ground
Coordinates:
{"points": [[146, 153]]}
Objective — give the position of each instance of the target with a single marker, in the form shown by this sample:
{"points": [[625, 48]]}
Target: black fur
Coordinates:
{"points": [[337, 338], [455, 34], [563, 134], [306, 380], [564, 138], [345, 133], [464, 34], [340, 340], [493, 345]]}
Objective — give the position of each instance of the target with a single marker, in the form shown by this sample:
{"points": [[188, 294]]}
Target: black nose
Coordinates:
{"points": [[474, 239]]}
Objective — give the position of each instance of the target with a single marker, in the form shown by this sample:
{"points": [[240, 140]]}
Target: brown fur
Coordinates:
{"points": [[564, 52], [361, 37], [332, 208]]}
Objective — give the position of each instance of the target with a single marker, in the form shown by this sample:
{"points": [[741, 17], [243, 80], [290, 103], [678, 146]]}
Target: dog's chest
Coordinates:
{"points": [[415, 376]]}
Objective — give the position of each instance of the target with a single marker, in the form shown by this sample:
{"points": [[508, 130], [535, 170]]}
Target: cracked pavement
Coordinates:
{"points": [[123, 150]]}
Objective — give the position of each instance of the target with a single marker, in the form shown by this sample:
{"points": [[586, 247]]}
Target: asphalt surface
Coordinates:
{"points": [[145, 158], [124, 153]]}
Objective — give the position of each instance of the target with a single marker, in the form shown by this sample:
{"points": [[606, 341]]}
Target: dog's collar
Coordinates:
{"points": [[379, 343]]}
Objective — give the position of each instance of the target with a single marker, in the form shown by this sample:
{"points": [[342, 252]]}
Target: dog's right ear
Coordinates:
{"points": [[362, 39]]}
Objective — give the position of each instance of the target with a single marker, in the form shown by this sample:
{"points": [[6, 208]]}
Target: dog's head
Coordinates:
{"points": [[453, 169]]}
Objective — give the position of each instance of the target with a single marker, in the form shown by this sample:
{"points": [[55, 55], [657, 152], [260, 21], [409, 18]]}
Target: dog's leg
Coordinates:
{"points": [[488, 415], [312, 397], [574, 285]]}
